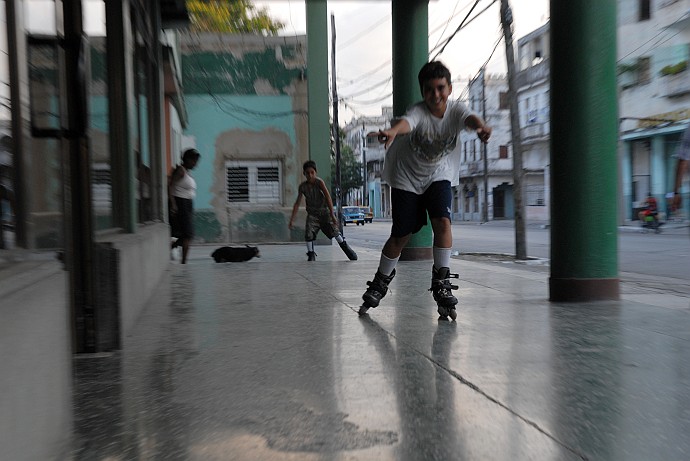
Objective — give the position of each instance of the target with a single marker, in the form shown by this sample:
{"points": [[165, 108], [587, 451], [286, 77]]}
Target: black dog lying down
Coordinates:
{"points": [[235, 254]]}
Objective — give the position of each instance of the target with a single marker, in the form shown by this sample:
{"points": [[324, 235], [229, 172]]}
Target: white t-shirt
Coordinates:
{"points": [[417, 159], [185, 187], [683, 151]]}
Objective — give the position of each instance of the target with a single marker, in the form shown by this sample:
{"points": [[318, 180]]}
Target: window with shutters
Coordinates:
{"points": [[534, 194], [253, 182]]}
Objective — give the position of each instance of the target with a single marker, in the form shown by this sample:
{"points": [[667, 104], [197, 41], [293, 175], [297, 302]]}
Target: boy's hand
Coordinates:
{"points": [[386, 137], [290, 225], [484, 133]]}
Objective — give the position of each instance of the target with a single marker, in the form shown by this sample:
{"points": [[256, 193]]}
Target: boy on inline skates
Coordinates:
{"points": [[320, 215], [421, 170]]}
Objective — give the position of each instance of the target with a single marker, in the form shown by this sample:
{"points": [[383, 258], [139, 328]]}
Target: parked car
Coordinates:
{"points": [[352, 214], [368, 213]]}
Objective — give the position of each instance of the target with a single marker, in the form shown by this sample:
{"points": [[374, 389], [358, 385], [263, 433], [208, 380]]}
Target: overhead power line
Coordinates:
{"points": [[361, 35], [464, 23]]}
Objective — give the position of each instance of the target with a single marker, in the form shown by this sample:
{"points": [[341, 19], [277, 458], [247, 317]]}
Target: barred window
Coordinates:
{"points": [[238, 184], [503, 101], [253, 182], [535, 195]]}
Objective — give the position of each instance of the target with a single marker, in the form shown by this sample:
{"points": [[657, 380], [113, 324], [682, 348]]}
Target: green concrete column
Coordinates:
{"points": [[317, 87], [410, 53], [626, 181], [584, 132]]}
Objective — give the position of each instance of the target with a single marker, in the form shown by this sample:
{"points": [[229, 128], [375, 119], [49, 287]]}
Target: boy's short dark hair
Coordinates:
{"points": [[430, 71], [309, 164]]}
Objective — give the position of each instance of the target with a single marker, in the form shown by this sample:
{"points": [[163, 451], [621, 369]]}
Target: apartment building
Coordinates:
{"points": [[654, 97]]}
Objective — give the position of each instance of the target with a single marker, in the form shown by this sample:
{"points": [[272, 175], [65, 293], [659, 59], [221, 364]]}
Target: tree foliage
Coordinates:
{"points": [[234, 16]]}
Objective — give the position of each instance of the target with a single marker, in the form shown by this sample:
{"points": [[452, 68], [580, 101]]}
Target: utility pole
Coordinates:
{"points": [[520, 238], [336, 129], [365, 179], [485, 211]]}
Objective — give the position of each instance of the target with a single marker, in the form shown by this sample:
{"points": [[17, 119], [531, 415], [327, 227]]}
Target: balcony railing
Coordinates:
{"points": [[534, 130], [675, 85]]}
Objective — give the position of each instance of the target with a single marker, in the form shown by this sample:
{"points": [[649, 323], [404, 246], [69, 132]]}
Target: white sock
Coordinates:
{"points": [[441, 257], [339, 238], [310, 246], [386, 265]]}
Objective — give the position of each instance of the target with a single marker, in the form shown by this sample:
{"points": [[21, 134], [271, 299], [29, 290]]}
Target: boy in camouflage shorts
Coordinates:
{"points": [[320, 214]]}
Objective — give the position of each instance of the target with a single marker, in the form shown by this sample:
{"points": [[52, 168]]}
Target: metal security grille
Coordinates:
{"points": [[254, 182], [238, 184], [268, 185], [535, 195], [100, 176], [268, 174]]}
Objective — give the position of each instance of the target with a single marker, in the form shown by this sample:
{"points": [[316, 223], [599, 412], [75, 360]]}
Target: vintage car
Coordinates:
{"points": [[368, 213], [353, 214]]}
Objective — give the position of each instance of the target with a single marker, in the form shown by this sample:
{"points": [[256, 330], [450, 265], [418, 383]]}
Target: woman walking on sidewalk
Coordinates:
{"points": [[181, 193]]}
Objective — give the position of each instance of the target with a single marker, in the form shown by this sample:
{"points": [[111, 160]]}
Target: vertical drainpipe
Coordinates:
{"points": [[157, 120], [584, 133], [121, 111], [410, 53], [78, 211], [317, 87]]}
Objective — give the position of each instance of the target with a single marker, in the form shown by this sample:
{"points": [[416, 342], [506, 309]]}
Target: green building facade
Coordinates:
{"points": [[246, 97]]}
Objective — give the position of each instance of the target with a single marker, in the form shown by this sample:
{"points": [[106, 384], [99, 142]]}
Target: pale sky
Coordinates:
{"points": [[363, 43]]}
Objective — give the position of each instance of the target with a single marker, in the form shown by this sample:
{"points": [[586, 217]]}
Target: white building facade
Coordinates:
{"points": [[486, 167], [654, 98], [533, 102], [367, 150]]}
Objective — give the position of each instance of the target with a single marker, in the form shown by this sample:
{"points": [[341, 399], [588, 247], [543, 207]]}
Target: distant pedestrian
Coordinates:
{"points": [[420, 171], [320, 214], [683, 154], [181, 193]]}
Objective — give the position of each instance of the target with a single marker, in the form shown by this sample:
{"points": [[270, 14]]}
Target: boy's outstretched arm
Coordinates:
{"points": [[475, 123], [295, 208], [326, 194], [399, 126]]}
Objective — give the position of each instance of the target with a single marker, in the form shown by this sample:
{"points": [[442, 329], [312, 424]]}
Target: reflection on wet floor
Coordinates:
{"points": [[269, 360]]}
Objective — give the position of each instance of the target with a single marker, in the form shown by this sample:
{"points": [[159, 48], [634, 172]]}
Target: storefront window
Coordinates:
{"points": [[99, 132], [40, 17], [7, 199], [143, 167]]}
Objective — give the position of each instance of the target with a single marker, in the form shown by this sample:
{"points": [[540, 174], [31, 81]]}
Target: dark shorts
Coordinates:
{"points": [[410, 210], [182, 222]]}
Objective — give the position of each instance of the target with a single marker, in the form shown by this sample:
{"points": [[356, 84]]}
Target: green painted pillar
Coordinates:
{"points": [[584, 132], [317, 87], [410, 53]]}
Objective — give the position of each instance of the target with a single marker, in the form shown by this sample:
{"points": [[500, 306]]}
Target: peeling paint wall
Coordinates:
{"points": [[246, 97]]}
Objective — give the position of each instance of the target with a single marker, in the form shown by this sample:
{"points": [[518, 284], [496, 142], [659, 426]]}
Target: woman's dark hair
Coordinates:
{"points": [[309, 164], [190, 154], [430, 71]]}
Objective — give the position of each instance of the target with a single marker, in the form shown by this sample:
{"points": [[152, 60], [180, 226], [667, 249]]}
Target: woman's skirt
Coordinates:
{"points": [[182, 222]]}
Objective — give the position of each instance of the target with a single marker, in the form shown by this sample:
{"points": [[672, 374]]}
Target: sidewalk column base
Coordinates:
{"points": [[583, 290]]}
